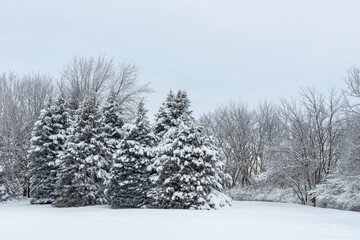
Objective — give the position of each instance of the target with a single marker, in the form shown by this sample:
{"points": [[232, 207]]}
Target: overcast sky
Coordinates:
{"points": [[218, 51]]}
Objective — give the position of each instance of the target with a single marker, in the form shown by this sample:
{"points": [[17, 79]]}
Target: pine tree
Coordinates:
{"points": [[164, 118], [182, 108], [174, 109], [129, 175], [47, 141], [189, 173], [112, 121], [83, 175]]}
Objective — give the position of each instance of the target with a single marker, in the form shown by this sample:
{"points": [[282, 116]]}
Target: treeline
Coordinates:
{"points": [[23, 96], [302, 150], [93, 144]]}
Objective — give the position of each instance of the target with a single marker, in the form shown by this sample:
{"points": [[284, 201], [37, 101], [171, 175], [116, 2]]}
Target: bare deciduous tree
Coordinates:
{"points": [[233, 129], [99, 76], [293, 146], [352, 93], [309, 148], [21, 99]]}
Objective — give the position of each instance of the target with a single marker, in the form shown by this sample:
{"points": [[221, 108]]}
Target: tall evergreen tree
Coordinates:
{"points": [[85, 161], [129, 176], [47, 142], [113, 121], [173, 109], [182, 108], [189, 173], [164, 117]]}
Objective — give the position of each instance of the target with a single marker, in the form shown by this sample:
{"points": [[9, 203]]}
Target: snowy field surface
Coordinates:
{"points": [[244, 220]]}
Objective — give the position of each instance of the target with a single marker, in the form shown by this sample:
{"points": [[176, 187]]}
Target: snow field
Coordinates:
{"points": [[243, 220]]}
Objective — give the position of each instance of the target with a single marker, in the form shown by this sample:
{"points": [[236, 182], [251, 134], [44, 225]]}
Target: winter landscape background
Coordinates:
{"points": [[249, 108], [91, 127]]}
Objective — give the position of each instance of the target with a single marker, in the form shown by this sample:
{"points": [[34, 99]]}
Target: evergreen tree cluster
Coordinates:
{"points": [[94, 157]]}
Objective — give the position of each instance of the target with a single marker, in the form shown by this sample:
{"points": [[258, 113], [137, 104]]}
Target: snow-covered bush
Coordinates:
{"points": [[266, 194], [339, 193], [265, 187]]}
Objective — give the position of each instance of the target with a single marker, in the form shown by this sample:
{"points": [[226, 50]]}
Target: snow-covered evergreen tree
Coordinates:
{"points": [[164, 118], [85, 161], [172, 110], [190, 174], [182, 108], [129, 178], [112, 121], [9, 184], [48, 138], [188, 171]]}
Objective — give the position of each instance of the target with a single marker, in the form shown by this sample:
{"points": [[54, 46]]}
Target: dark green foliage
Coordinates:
{"points": [[85, 161], [187, 170], [172, 111], [129, 176], [48, 138], [112, 121], [164, 118]]}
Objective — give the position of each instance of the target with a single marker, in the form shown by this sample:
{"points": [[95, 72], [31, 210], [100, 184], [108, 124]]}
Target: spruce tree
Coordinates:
{"points": [[112, 120], [174, 108], [182, 110], [85, 161], [164, 117], [47, 141], [188, 171], [129, 176]]}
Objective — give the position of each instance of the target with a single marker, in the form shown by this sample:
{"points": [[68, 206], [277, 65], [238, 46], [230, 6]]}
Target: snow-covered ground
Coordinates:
{"points": [[244, 220]]}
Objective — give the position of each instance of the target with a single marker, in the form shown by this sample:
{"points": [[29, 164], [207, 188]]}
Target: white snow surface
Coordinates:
{"points": [[243, 220]]}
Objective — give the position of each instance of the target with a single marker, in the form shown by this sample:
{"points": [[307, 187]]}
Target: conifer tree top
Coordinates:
{"points": [[176, 108], [113, 118]]}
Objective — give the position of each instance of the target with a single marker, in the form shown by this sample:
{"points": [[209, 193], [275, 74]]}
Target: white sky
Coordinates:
{"points": [[218, 51]]}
